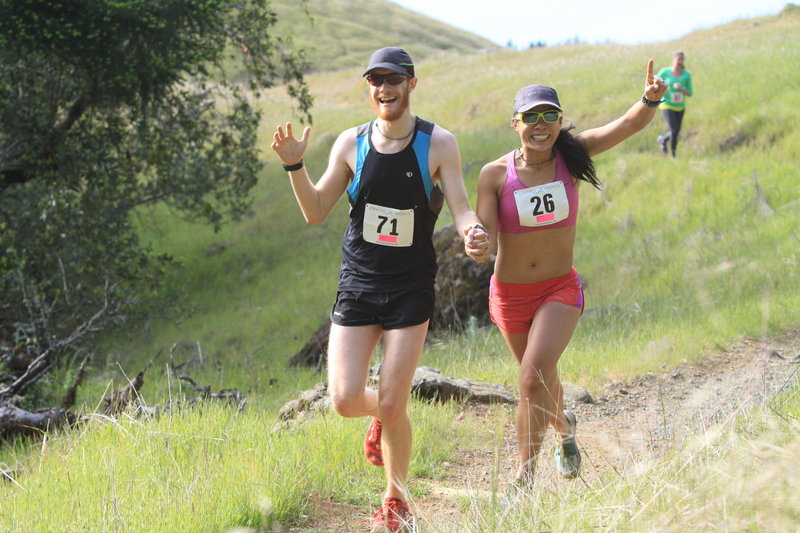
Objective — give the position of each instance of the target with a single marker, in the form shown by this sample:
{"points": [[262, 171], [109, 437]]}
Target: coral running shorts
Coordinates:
{"points": [[512, 306]]}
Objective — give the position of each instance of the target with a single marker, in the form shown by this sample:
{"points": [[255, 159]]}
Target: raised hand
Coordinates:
{"points": [[288, 148], [654, 87]]}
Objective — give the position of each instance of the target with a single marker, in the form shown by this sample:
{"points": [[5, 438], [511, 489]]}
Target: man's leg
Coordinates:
{"points": [[402, 350], [349, 352]]}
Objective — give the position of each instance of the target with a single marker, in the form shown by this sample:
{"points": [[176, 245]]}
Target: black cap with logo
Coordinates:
{"points": [[392, 58]]}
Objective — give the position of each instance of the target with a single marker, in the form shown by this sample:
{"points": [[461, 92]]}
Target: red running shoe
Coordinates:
{"points": [[393, 516], [372, 444]]}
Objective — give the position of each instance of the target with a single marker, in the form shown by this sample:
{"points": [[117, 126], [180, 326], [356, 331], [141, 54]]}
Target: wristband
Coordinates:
{"points": [[479, 226], [651, 103], [296, 166]]}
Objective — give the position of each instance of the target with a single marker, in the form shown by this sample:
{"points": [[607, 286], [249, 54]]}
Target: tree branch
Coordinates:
{"points": [[14, 173], [69, 397], [42, 364]]}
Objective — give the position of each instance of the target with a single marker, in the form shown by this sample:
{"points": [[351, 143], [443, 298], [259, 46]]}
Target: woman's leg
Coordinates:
{"points": [[541, 395], [677, 121], [665, 139]]}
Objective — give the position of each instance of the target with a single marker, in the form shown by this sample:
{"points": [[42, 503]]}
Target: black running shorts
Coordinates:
{"points": [[390, 310]]}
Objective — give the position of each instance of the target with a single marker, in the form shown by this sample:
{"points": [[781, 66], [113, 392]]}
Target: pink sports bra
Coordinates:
{"points": [[546, 206]]}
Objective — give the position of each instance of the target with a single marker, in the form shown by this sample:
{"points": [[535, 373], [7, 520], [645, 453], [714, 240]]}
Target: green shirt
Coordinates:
{"points": [[675, 98]]}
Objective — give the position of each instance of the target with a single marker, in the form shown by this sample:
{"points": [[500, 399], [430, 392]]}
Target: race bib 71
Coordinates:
{"points": [[388, 226]]}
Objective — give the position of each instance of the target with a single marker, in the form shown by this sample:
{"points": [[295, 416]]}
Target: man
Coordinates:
{"points": [[397, 170], [679, 87]]}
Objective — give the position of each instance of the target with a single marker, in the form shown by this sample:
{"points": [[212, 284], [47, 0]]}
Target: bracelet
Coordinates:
{"points": [[296, 166], [479, 226], [651, 103]]}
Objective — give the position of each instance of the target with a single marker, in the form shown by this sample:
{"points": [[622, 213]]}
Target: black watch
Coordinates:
{"points": [[296, 166], [651, 103]]}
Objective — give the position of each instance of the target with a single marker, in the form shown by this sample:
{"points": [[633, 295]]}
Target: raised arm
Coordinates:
{"points": [[598, 140], [445, 161], [316, 201]]}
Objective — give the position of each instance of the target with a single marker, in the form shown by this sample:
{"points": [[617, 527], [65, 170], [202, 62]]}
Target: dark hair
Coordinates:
{"points": [[576, 157]]}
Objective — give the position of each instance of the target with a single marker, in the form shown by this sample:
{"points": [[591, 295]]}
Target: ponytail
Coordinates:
{"points": [[576, 157]]}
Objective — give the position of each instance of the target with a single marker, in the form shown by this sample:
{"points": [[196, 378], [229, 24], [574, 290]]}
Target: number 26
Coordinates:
{"points": [[545, 201]]}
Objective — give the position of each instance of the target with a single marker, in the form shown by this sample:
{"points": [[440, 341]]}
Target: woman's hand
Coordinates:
{"points": [[476, 242], [654, 87]]}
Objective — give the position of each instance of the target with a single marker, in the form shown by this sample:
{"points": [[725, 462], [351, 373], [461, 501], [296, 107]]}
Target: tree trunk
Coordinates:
{"points": [[15, 421]]}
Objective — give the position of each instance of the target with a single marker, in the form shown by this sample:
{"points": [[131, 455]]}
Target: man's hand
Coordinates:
{"points": [[476, 242], [288, 148]]}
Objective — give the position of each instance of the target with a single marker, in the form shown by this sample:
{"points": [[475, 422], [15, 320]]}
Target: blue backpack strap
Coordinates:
{"points": [[362, 147], [422, 143]]}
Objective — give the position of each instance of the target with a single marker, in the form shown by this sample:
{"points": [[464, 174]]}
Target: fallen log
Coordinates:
{"points": [[428, 384], [15, 421]]}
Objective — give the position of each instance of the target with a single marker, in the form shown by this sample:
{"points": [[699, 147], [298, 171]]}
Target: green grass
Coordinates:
{"points": [[342, 33], [733, 478], [205, 469], [678, 259], [212, 469]]}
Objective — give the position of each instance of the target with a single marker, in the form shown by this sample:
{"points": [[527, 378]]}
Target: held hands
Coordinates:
{"points": [[289, 149], [476, 242], [654, 87]]}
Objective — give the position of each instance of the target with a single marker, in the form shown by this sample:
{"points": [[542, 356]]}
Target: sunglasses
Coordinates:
{"points": [[376, 80], [533, 117]]}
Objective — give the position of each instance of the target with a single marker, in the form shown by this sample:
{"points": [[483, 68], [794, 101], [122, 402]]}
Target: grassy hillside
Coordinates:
{"points": [[342, 33], [680, 258], [677, 257]]}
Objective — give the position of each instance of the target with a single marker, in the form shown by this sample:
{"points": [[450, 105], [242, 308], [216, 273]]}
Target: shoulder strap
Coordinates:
{"points": [[362, 147], [422, 144]]}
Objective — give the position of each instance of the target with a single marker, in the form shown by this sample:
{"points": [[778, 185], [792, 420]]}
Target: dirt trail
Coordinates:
{"points": [[628, 423]]}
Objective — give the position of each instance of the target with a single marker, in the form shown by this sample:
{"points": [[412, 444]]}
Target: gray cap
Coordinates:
{"points": [[529, 97], [392, 58]]}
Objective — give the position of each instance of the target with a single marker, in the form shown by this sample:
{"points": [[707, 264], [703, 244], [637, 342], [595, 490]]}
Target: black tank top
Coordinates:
{"points": [[385, 254]]}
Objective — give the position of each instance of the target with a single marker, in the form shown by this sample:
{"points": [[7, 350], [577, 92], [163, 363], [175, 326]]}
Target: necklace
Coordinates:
{"points": [[404, 137], [534, 163]]}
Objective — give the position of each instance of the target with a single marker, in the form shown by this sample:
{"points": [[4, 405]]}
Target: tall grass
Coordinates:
{"points": [[212, 468], [205, 469], [734, 477]]}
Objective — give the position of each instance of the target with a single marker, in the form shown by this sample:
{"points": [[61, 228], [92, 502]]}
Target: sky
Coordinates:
{"points": [[591, 21]]}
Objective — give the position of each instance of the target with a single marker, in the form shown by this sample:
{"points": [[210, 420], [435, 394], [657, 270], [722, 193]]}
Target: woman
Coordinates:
{"points": [[528, 200], [679, 87]]}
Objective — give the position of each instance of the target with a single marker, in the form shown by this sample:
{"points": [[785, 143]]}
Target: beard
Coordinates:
{"points": [[394, 111]]}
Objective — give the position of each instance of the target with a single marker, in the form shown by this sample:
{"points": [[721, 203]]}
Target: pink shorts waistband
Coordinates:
{"points": [[502, 288]]}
